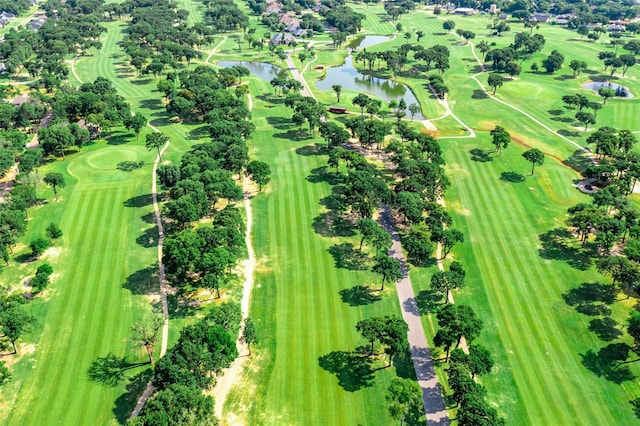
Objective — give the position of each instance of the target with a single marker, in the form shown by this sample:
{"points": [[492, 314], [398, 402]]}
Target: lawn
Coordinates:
{"points": [[303, 373], [99, 291], [106, 267]]}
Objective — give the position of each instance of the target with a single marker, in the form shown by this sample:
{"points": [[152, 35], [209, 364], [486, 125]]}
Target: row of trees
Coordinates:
{"points": [[202, 351]]}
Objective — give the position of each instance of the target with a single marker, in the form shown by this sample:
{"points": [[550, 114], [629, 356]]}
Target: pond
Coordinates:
{"points": [[350, 78], [360, 42], [621, 91], [261, 69]]}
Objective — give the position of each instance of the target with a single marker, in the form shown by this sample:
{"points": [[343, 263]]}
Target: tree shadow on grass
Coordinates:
{"points": [[331, 224], [143, 281], [153, 104], [322, 174], [352, 369], [199, 133], [139, 201], [315, 149], [569, 133], [149, 238], [480, 155], [130, 166], [179, 306], [126, 402], [346, 256], [479, 94], [590, 299], [605, 328], [120, 139], [429, 301], [608, 362], [359, 295], [512, 177], [557, 245], [555, 112], [579, 160], [110, 369]]}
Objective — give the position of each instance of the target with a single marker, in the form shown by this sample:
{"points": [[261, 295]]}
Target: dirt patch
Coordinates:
{"points": [[519, 141]]}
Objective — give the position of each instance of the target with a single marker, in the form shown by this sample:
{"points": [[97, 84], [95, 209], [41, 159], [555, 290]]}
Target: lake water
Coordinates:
{"points": [[261, 69], [350, 78], [346, 75], [596, 85]]}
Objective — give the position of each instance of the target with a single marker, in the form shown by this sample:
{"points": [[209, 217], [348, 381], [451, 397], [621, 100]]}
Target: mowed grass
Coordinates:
{"points": [[96, 298], [107, 265], [301, 316], [515, 282]]}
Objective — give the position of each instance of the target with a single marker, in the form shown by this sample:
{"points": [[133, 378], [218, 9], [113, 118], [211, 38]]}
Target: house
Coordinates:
{"points": [[466, 11], [541, 18], [281, 38], [37, 23], [337, 110], [567, 16], [493, 9], [503, 16], [273, 7], [561, 21], [616, 28], [3, 68]]}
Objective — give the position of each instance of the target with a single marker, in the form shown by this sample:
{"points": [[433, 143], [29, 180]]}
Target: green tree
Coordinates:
{"points": [[585, 118], [361, 100], [14, 322], [444, 281], [500, 138], [405, 399], [39, 245], [479, 360], [156, 140], [178, 405], [260, 172], [577, 66], [535, 157], [371, 329], [145, 334], [55, 180], [5, 374], [494, 81], [388, 268], [633, 327], [53, 231], [448, 238], [606, 93], [337, 88], [448, 26], [454, 322], [249, 336], [553, 62], [413, 110], [135, 123]]}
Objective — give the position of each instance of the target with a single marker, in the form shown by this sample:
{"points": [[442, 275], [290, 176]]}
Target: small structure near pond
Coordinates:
{"points": [[337, 110]]}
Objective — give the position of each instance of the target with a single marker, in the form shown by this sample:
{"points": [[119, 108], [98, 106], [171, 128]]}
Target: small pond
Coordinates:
{"points": [[621, 91], [350, 78], [261, 69], [360, 42]]}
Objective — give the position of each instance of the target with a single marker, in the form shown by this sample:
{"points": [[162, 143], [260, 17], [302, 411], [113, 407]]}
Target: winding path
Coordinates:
{"points": [[161, 277], [230, 375]]}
